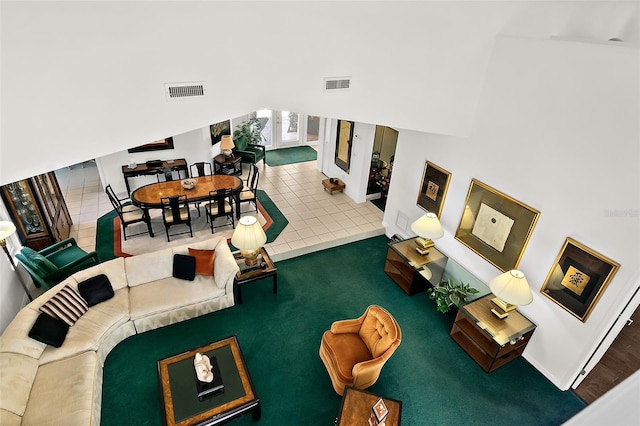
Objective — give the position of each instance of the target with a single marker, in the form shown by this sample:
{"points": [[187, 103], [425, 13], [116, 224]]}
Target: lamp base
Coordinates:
{"points": [[227, 153], [501, 315], [423, 245], [503, 305], [250, 256]]}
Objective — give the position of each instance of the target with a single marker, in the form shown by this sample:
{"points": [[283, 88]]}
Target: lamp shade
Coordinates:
{"points": [[512, 287], [248, 235], [6, 229], [428, 226], [227, 142]]}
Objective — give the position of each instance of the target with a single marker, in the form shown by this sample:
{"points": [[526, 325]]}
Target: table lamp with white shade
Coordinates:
{"points": [[428, 228], [511, 290], [249, 237]]}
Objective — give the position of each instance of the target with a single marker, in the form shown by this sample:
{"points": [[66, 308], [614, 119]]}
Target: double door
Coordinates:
{"points": [[38, 210]]}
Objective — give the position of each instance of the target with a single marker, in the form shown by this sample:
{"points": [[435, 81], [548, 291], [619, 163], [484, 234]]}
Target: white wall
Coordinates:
{"points": [[557, 129], [86, 79]]}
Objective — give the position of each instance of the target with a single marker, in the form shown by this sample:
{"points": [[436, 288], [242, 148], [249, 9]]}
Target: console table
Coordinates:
{"points": [[153, 168], [490, 341], [412, 271]]}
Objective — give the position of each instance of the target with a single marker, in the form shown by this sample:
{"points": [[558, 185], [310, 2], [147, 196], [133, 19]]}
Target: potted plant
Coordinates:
{"points": [[448, 294], [248, 133]]}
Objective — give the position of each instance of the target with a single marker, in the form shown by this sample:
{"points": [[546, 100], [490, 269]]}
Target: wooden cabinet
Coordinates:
{"points": [[490, 341], [38, 210], [412, 271]]}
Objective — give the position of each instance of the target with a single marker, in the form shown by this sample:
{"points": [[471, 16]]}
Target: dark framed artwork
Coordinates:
{"points": [[496, 226], [166, 143], [218, 130], [344, 140], [433, 190], [578, 278]]}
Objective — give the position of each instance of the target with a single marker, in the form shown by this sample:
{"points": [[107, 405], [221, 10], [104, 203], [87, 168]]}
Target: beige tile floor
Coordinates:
{"points": [[317, 220]]}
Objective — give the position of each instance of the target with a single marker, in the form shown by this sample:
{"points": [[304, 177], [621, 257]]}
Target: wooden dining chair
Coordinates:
{"points": [[220, 205], [175, 211], [128, 213], [249, 194], [200, 168]]}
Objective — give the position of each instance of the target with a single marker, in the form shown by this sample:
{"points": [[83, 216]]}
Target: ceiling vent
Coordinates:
{"points": [[193, 89], [337, 83]]}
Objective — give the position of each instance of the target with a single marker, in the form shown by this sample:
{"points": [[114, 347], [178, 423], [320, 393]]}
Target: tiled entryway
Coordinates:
{"points": [[317, 220]]}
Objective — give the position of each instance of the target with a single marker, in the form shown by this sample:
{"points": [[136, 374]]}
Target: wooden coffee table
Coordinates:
{"points": [[331, 187], [179, 394], [356, 408]]}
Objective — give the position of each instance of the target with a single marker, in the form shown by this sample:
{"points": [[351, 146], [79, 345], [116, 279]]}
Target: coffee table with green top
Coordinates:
{"points": [[179, 393]]}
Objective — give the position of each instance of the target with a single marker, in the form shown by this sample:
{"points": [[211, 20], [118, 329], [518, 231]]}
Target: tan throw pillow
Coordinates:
{"points": [[204, 260], [66, 305]]}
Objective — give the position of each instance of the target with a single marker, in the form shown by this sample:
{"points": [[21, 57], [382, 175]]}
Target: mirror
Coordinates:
{"points": [[344, 140]]}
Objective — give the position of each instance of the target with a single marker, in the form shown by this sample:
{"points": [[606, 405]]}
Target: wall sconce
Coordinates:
{"points": [[249, 237], [511, 290], [428, 228]]}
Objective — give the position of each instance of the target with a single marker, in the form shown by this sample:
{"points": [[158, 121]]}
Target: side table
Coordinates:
{"points": [[412, 271], [248, 274], [489, 340], [223, 165], [357, 405], [332, 187]]}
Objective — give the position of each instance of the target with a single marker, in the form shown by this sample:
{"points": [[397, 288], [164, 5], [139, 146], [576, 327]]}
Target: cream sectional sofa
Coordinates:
{"points": [[42, 384]]}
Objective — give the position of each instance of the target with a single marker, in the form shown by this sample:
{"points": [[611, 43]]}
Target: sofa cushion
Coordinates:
{"points": [[66, 304], [148, 267], [93, 328], [8, 418], [170, 293], [204, 261], [96, 289], [49, 330], [15, 337], [18, 374], [63, 392], [184, 267], [113, 269]]}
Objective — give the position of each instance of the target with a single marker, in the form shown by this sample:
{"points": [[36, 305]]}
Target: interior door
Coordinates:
{"points": [[283, 129]]}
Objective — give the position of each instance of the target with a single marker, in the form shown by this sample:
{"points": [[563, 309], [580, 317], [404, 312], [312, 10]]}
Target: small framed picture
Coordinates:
{"points": [[166, 143], [578, 278], [433, 189]]}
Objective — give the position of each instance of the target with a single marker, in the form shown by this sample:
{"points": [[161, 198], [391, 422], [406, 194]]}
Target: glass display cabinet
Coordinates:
{"points": [[38, 210]]}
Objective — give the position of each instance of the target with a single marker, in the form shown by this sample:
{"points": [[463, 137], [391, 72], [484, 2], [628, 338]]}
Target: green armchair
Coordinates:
{"points": [[53, 264], [246, 138], [250, 153]]}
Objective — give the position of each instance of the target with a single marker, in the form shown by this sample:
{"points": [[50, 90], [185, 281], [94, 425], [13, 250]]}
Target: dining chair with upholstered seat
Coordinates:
{"points": [[220, 205], [175, 211], [201, 168], [249, 194], [128, 213], [355, 350]]}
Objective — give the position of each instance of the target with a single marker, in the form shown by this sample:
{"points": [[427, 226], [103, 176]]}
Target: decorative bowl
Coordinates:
{"points": [[188, 183]]}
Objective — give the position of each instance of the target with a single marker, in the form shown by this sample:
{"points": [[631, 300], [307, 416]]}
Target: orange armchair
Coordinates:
{"points": [[355, 350]]}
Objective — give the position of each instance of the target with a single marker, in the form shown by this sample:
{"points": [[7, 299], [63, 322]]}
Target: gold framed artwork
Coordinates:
{"points": [[578, 278], [166, 143], [433, 190], [496, 226]]}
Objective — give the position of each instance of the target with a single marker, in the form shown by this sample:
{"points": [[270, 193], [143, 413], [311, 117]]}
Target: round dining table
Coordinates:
{"points": [[150, 196]]}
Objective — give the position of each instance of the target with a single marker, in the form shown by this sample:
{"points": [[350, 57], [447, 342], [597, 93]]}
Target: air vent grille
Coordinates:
{"points": [[185, 90], [337, 83]]}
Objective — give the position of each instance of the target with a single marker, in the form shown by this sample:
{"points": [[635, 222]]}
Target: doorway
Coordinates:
{"points": [[286, 129], [382, 157]]}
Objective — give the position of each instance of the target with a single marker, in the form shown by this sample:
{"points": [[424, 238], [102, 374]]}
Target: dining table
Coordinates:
{"points": [[150, 196]]}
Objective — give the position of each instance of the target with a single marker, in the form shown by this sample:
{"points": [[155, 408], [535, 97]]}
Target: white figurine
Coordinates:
{"points": [[203, 368]]}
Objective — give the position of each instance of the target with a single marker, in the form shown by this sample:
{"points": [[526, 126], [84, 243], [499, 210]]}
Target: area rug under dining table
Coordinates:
{"points": [[110, 242]]}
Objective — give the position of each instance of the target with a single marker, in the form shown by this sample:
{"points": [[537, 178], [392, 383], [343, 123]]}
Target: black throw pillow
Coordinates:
{"points": [[49, 330], [184, 267], [96, 289]]}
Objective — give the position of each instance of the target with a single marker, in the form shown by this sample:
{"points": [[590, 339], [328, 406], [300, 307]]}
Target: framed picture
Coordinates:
{"points": [[578, 278], [154, 146], [496, 226], [435, 183], [344, 140], [218, 130]]}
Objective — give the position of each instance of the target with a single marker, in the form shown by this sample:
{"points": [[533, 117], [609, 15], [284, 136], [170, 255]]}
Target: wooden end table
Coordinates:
{"points": [[332, 187], [249, 274], [357, 404], [223, 165]]}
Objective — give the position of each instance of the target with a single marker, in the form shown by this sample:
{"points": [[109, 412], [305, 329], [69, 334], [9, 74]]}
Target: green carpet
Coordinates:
{"points": [[105, 237], [280, 334], [298, 154]]}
